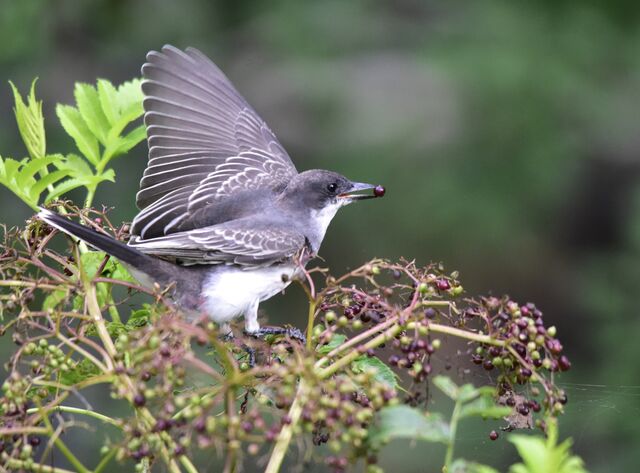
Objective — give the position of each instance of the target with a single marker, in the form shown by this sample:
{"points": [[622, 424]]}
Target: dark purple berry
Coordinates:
{"points": [[200, 425], [443, 284], [487, 365], [430, 313], [139, 400], [493, 435], [563, 363], [523, 410], [247, 426], [379, 191]]}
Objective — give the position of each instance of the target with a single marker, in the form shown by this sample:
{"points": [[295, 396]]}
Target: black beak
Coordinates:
{"points": [[358, 187]]}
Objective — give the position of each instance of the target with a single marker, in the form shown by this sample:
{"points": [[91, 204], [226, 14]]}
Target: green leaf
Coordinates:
{"points": [[75, 126], [467, 392], [130, 97], [84, 369], [92, 260], [382, 372], [542, 455], [108, 96], [447, 386], [41, 184], [484, 406], [336, 340], [464, 466], [54, 299], [19, 177], [90, 108], [139, 318], [407, 422], [30, 121], [32, 166]]}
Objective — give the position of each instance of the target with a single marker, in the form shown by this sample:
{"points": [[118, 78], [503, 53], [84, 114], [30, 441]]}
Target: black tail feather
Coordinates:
{"points": [[102, 242]]}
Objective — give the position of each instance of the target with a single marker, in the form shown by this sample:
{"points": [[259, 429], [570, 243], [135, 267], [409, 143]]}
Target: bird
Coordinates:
{"points": [[226, 221]]}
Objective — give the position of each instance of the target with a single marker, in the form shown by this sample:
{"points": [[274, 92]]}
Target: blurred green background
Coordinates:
{"points": [[507, 135]]}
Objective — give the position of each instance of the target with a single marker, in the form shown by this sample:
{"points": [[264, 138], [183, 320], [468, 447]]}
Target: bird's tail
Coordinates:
{"points": [[111, 246]]}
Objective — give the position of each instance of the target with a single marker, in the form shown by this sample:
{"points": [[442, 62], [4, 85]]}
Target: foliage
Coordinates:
{"points": [[100, 118], [541, 455], [176, 397]]}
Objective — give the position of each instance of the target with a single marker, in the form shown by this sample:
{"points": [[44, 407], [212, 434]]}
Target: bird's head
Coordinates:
{"points": [[319, 189]]}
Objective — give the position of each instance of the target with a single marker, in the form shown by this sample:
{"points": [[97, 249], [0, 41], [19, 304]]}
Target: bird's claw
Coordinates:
{"points": [[291, 332]]}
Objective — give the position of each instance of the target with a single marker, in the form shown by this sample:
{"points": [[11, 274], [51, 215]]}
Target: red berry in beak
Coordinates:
{"points": [[379, 191]]}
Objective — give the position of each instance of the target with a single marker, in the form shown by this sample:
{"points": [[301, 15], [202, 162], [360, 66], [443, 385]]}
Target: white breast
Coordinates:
{"points": [[233, 291]]}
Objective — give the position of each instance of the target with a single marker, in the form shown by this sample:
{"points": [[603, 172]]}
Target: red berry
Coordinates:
{"points": [[379, 191], [493, 435]]}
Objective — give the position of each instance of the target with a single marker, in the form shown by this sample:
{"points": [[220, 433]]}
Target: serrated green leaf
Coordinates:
{"points": [[90, 108], [64, 187], [75, 126], [75, 165], [32, 166], [23, 186], [41, 184], [130, 96], [131, 139], [30, 121], [336, 340], [407, 422], [484, 406], [464, 466], [382, 372], [108, 100], [447, 386], [542, 455]]}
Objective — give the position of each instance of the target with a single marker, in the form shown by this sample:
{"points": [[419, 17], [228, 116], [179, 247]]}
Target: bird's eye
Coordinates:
{"points": [[332, 187]]}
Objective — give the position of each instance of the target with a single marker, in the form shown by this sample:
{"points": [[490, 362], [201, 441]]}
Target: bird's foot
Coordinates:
{"points": [[251, 355], [292, 332]]}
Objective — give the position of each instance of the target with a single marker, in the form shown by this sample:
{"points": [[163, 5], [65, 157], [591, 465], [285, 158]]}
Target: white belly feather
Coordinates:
{"points": [[233, 292]]}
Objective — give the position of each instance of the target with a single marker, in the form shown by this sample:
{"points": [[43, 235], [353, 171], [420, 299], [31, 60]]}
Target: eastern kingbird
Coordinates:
{"points": [[225, 217]]}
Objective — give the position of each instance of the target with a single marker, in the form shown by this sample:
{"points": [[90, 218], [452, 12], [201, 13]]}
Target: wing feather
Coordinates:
{"points": [[237, 242], [206, 143]]}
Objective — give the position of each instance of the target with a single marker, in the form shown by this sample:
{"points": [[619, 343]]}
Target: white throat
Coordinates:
{"points": [[322, 218]]}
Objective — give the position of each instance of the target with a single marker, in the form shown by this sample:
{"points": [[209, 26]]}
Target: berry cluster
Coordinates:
{"points": [[374, 336]]}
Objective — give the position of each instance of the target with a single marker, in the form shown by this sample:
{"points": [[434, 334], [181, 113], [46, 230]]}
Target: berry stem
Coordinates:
{"points": [[77, 410], [284, 438]]}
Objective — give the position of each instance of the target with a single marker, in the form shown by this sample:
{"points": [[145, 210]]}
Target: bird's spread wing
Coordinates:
{"points": [[237, 242], [206, 143]]}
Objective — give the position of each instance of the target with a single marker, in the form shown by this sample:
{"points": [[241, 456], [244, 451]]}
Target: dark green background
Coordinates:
{"points": [[507, 135]]}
